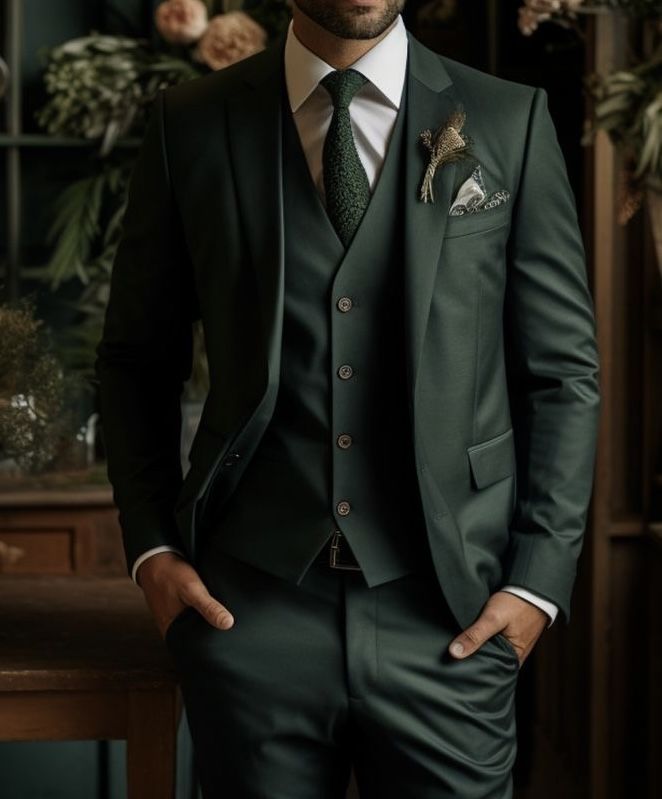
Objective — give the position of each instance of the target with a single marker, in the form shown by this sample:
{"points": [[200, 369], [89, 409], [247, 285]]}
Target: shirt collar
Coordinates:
{"points": [[384, 65]]}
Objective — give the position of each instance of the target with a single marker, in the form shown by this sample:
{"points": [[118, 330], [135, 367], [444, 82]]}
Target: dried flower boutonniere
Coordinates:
{"points": [[445, 145]]}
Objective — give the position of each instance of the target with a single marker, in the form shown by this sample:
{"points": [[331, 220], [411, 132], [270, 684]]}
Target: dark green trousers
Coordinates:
{"points": [[315, 679]]}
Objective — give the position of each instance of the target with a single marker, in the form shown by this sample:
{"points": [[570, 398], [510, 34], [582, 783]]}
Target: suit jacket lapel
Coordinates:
{"points": [[431, 97], [255, 138]]}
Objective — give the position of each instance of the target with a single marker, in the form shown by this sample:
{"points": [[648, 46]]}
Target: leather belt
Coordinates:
{"points": [[337, 554]]}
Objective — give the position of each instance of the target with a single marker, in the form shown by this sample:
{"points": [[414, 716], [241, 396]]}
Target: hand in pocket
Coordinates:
{"points": [[170, 585]]}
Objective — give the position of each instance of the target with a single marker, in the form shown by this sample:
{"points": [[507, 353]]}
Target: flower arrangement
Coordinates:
{"points": [[565, 12], [181, 21], [533, 12], [100, 88], [36, 424]]}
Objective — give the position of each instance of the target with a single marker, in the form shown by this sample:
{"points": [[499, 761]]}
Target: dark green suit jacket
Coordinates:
{"points": [[502, 367]]}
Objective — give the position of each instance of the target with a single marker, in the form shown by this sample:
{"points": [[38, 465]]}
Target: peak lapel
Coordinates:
{"points": [[255, 138], [431, 98]]}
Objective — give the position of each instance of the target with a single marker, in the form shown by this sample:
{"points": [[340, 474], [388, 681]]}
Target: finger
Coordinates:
{"points": [[211, 609], [471, 639]]}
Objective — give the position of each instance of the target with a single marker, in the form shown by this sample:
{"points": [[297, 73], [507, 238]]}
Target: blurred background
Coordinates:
{"points": [[77, 78]]}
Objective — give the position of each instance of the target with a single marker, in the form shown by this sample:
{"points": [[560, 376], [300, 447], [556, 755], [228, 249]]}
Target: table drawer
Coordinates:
{"points": [[36, 551]]}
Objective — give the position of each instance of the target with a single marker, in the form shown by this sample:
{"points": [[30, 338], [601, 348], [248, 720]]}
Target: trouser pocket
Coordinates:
{"points": [[505, 644], [176, 622]]}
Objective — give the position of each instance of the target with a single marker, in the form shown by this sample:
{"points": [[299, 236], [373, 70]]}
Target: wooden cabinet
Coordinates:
{"points": [[60, 531]]}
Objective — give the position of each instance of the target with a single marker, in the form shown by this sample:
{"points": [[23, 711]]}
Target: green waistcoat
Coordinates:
{"points": [[337, 453]]}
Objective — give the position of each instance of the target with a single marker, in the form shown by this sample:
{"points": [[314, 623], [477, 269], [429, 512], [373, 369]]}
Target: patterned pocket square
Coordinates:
{"points": [[472, 196]]}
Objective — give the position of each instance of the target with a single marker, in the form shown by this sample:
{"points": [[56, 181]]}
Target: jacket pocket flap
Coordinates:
{"points": [[493, 459]]}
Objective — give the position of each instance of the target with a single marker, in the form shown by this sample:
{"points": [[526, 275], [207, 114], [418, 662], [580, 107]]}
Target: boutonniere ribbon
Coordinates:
{"points": [[445, 145]]}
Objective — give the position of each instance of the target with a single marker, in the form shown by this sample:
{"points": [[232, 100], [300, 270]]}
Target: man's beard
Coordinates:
{"points": [[353, 22]]}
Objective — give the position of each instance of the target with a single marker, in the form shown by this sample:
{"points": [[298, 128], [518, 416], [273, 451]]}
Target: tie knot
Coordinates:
{"points": [[342, 85]]}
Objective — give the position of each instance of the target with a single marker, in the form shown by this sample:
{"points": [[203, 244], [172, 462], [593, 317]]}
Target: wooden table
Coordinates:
{"points": [[81, 659]]}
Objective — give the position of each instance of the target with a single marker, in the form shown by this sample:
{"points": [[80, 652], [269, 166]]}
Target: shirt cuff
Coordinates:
{"points": [[148, 554], [544, 604]]}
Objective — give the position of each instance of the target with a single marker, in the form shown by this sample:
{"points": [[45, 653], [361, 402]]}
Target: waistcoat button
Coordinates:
{"points": [[343, 508], [344, 304], [344, 441], [345, 372]]}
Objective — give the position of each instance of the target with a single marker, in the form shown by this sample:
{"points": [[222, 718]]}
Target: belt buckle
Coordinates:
{"points": [[334, 552]]}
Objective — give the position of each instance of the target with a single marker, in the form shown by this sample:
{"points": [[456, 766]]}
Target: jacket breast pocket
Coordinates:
{"points": [[478, 222], [493, 459]]}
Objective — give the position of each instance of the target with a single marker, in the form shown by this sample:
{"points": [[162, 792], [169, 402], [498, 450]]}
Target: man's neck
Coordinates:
{"points": [[337, 52]]}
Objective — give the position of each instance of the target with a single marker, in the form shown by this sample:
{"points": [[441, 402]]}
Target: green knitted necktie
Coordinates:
{"points": [[346, 184]]}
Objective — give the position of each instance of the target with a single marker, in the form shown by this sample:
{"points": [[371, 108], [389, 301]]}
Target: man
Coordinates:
{"points": [[388, 486]]}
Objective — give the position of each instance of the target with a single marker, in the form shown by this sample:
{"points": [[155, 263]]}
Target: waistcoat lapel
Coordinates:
{"points": [[431, 99]]}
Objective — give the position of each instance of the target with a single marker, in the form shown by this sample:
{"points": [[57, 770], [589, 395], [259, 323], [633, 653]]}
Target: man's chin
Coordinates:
{"points": [[352, 20], [363, 26]]}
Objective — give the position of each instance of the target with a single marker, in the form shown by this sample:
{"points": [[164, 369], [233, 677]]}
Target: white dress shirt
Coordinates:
{"points": [[373, 109], [373, 112]]}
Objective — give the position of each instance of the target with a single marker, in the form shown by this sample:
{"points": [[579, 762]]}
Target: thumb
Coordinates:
{"points": [[211, 609], [471, 639]]}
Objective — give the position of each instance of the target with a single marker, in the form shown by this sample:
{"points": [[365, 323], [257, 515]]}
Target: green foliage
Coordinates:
{"points": [[101, 86], [628, 106], [98, 239], [77, 225], [638, 8]]}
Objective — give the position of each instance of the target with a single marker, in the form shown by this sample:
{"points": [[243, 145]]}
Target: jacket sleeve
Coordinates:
{"points": [[145, 352], [552, 366]]}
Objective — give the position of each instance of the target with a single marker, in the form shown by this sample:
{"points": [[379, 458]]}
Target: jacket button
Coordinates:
{"points": [[344, 304], [231, 458], [345, 372], [344, 441], [343, 508]]}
